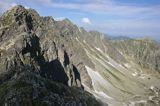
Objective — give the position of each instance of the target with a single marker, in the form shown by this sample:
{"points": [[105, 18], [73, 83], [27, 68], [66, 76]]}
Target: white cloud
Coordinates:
{"points": [[26, 7], [107, 7], [86, 20], [59, 18]]}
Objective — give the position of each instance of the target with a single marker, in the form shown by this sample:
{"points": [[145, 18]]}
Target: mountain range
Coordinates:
{"points": [[45, 62]]}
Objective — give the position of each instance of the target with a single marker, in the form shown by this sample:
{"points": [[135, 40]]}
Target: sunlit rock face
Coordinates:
{"points": [[48, 62]]}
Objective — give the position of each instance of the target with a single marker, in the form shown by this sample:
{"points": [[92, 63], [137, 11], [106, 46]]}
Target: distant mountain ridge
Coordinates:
{"points": [[118, 37]]}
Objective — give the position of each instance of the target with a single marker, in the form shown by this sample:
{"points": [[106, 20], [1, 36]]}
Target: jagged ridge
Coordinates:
{"points": [[36, 63]]}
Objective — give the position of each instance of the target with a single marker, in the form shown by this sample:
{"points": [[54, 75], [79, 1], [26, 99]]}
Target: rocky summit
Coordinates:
{"points": [[55, 63]]}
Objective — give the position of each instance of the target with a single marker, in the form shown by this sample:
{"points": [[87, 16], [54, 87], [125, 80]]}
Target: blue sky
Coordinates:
{"points": [[135, 18]]}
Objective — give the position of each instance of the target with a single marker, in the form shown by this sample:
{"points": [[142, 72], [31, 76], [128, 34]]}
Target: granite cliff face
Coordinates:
{"points": [[48, 62]]}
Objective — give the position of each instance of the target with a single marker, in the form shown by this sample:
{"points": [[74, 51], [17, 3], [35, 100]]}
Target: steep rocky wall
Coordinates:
{"points": [[36, 66], [23, 47]]}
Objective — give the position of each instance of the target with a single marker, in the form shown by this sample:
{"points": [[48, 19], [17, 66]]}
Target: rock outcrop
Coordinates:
{"points": [[36, 66]]}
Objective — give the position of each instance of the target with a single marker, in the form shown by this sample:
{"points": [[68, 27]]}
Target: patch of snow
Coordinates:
{"points": [[127, 65], [141, 101], [120, 52], [152, 87], [137, 102], [99, 49], [111, 64], [142, 77], [103, 94], [84, 41], [77, 39], [151, 97], [107, 56], [135, 74], [98, 81], [121, 66], [116, 65], [95, 76]]}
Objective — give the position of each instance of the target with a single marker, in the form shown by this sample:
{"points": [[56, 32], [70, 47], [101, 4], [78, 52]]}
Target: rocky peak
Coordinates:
{"points": [[46, 57], [40, 50], [13, 15], [28, 19]]}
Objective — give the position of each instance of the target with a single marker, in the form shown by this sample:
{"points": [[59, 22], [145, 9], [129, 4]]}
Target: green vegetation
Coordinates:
{"points": [[26, 91]]}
